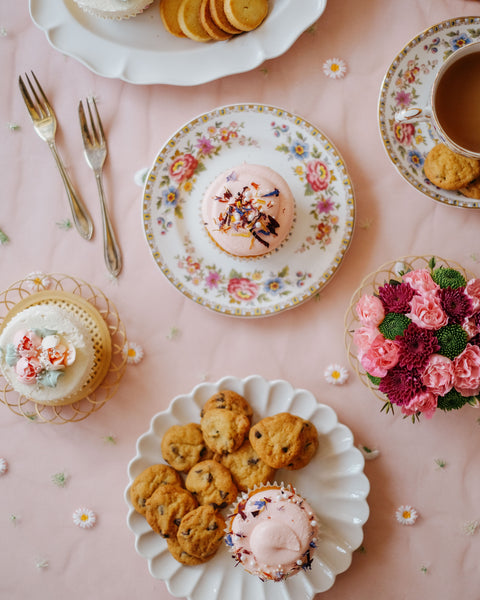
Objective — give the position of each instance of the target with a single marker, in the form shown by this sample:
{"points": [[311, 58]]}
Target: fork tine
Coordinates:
{"points": [[27, 99], [46, 103], [99, 121], [40, 109], [83, 124]]}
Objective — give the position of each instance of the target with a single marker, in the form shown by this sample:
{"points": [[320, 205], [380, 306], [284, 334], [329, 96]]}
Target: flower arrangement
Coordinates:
{"points": [[418, 342]]}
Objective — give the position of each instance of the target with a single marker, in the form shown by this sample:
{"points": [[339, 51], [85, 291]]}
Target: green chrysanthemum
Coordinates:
{"points": [[452, 400], [452, 339], [393, 324], [445, 277]]}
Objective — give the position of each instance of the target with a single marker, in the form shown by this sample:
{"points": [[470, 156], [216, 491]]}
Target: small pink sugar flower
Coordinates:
{"points": [[370, 310], [424, 402], [438, 375], [420, 280], [382, 355], [426, 311], [27, 369], [466, 371]]}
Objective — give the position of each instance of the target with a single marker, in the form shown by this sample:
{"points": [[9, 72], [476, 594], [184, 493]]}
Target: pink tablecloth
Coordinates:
{"points": [[431, 465]]}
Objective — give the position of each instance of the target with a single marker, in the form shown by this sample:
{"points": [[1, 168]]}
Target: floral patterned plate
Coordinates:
{"points": [[214, 142], [408, 82]]}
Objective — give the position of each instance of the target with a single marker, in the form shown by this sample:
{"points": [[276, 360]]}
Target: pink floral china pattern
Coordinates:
{"points": [[215, 142], [408, 82]]}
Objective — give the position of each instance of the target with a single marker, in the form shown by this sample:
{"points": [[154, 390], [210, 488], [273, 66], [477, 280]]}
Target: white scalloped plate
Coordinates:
{"points": [[333, 483], [140, 50]]}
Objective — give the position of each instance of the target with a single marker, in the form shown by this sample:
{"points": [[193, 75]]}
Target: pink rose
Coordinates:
{"points": [[318, 175], [420, 280], [27, 343], [424, 402], [438, 375], [370, 310], [242, 288], [380, 357], [183, 167], [466, 371], [426, 311], [27, 369], [472, 289], [364, 336]]}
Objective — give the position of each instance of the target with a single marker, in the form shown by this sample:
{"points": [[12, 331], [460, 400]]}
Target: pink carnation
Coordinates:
{"points": [[427, 312], [420, 280], [424, 402], [472, 289], [364, 336], [466, 375], [438, 375], [370, 310], [380, 357]]}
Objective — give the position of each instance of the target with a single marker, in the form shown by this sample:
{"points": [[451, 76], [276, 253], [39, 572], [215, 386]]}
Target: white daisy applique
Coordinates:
{"points": [[3, 466], [336, 374], [406, 515], [133, 353], [335, 68], [84, 518], [37, 281]]}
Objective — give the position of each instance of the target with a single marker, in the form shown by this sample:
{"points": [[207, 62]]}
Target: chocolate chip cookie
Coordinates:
{"points": [[211, 483], [148, 481], [201, 531], [224, 430], [181, 555], [183, 446], [228, 400], [247, 468], [166, 507], [283, 440], [448, 170]]}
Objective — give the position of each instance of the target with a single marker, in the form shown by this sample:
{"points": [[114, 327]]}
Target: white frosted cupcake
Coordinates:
{"points": [[272, 532], [248, 210], [114, 9], [56, 351]]}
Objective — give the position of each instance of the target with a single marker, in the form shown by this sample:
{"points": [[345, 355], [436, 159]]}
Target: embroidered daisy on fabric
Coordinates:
{"points": [[133, 352], [406, 515], [335, 68], [84, 518], [37, 281], [336, 374], [3, 466]]}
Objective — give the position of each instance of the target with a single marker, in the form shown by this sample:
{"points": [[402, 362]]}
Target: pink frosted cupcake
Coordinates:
{"points": [[248, 210], [114, 9], [272, 532]]}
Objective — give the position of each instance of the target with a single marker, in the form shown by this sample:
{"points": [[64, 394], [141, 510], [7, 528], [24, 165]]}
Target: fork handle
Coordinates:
{"points": [[111, 249], [81, 217]]}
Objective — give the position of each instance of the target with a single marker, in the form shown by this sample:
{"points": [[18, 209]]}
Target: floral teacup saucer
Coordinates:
{"points": [[215, 142]]}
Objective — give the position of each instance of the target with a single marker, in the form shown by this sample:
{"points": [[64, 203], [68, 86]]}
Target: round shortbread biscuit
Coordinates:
{"points": [[246, 15], [209, 24], [448, 170], [190, 23], [169, 15], [220, 18]]}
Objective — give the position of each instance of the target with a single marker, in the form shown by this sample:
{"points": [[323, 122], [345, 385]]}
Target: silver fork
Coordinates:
{"points": [[95, 152], [45, 124]]}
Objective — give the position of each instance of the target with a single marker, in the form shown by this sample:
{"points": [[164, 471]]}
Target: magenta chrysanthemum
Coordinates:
{"points": [[456, 304], [415, 346], [400, 385], [396, 298]]}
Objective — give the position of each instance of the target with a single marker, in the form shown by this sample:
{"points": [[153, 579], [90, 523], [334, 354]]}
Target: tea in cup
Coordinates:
{"points": [[454, 103]]}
